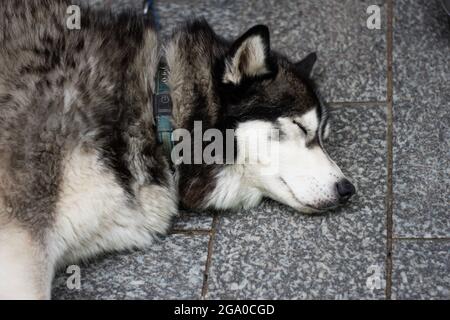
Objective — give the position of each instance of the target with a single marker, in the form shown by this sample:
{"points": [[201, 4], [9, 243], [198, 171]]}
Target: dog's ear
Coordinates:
{"points": [[306, 65], [249, 56]]}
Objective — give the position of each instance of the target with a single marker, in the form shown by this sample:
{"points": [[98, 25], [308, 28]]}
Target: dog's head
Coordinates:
{"points": [[282, 123]]}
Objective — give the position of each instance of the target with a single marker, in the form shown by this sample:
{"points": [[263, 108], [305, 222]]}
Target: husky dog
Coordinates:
{"points": [[81, 169]]}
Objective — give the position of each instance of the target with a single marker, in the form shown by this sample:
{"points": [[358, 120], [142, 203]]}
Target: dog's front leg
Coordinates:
{"points": [[25, 271]]}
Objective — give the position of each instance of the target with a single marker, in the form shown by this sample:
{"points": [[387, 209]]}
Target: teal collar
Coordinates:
{"points": [[162, 109]]}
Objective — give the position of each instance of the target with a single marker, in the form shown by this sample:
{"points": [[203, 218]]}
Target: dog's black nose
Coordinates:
{"points": [[345, 190]]}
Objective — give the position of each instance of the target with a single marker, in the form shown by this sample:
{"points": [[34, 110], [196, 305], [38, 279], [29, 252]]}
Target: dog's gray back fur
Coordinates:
{"points": [[60, 89]]}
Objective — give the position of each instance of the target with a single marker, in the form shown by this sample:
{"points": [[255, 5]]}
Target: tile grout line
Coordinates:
{"points": [[421, 239], [390, 149], [190, 231], [212, 236], [361, 104]]}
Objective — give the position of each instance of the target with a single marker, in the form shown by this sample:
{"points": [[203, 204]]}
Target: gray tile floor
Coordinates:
{"points": [[390, 96]]}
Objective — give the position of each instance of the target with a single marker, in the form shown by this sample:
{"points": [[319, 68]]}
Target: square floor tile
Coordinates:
{"points": [[421, 174], [352, 58]]}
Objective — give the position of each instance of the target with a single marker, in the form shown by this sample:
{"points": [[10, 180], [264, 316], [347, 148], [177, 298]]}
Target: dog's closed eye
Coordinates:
{"points": [[301, 127]]}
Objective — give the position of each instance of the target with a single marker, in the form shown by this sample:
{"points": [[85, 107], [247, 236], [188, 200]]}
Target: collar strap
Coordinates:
{"points": [[162, 109]]}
